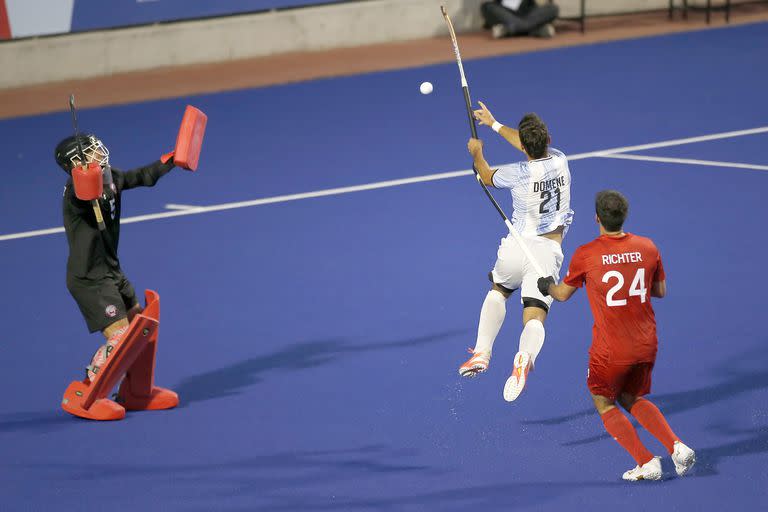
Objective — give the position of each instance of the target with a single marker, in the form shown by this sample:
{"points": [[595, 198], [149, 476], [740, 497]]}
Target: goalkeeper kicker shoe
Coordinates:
{"points": [[516, 382], [475, 365], [684, 458], [651, 470]]}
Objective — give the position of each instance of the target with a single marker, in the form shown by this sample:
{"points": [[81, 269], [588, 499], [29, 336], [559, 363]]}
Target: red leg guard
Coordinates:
{"points": [[134, 357]]}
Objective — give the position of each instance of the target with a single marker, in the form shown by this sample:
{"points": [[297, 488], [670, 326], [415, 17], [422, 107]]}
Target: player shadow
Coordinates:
{"points": [[506, 496], [265, 480], [678, 402], [232, 380], [709, 458], [39, 421], [316, 480], [736, 381]]}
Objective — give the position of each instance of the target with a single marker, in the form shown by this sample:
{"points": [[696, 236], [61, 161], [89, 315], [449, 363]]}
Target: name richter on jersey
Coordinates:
{"points": [[625, 257]]}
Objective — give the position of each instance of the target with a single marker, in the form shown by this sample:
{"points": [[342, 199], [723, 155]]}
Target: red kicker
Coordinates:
{"points": [[5, 27]]}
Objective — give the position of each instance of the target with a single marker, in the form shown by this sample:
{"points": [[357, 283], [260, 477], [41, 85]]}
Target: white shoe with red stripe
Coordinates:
{"points": [[516, 382], [475, 365], [651, 470]]}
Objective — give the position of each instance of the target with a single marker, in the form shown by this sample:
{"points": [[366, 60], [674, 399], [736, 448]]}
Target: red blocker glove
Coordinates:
{"points": [[190, 138], [167, 157], [88, 181]]}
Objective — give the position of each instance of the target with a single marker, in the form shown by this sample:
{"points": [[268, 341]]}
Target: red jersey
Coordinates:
{"points": [[619, 273]]}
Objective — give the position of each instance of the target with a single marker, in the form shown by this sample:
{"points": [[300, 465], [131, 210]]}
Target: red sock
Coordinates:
{"points": [[622, 431], [654, 422]]}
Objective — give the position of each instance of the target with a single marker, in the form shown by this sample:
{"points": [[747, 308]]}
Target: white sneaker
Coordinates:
{"points": [[546, 31], [499, 31], [651, 470], [516, 382], [683, 457]]}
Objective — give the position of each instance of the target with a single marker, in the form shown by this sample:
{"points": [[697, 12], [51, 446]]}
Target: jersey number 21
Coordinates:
{"points": [[546, 195]]}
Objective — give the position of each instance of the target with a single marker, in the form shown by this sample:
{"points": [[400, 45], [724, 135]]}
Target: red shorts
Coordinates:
{"points": [[610, 380]]}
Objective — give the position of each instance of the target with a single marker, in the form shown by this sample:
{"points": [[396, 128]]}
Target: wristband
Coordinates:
{"points": [[496, 126], [167, 157]]}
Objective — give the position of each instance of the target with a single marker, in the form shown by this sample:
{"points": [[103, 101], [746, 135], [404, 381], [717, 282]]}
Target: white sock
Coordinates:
{"points": [[491, 319], [532, 339]]}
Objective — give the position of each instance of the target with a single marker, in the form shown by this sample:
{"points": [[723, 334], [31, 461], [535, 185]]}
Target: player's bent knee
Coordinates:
{"points": [[603, 404], [115, 327], [532, 302], [506, 292], [135, 310], [627, 400]]}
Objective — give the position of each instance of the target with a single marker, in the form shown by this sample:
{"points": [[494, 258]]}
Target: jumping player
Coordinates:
{"points": [[95, 280], [622, 272], [540, 188]]}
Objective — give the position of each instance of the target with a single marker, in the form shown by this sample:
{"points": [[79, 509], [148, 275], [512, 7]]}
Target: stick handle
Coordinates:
{"points": [[465, 87], [524, 247], [97, 212], [73, 111], [468, 101], [95, 202]]}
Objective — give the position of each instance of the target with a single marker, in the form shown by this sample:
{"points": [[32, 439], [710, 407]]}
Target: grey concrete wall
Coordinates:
{"points": [[75, 56]]}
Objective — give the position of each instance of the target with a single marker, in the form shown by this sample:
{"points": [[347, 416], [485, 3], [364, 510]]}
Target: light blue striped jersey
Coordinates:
{"points": [[541, 193]]}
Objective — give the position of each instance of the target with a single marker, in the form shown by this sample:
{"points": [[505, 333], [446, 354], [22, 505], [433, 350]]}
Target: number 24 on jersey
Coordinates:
{"points": [[636, 289]]}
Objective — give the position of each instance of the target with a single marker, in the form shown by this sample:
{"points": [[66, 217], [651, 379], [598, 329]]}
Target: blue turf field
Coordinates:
{"points": [[315, 342]]}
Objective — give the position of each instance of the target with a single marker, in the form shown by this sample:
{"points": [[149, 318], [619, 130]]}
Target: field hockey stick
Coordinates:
{"points": [[94, 202], [473, 128]]}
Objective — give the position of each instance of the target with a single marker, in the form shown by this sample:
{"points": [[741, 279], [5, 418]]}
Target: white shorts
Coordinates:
{"points": [[513, 270]]}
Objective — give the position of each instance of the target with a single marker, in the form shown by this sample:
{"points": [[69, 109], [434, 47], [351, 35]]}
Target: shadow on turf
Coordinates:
{"points": [[507, 496], [42, 421], [736, 381], [232, 380], [681, 401], [307, 480], [709, 458], [264, 474]]}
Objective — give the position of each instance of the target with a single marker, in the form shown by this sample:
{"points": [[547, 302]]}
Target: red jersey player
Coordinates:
{"points": [[622, 272]]}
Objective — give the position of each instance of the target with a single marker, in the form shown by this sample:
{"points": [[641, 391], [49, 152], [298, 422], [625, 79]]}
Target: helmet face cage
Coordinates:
{"points": [[93, 150]]}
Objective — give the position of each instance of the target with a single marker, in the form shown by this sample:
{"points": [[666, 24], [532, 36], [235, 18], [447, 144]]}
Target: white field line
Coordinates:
{"points": [[174, 206], [679, 142], [381, 184], [709, 163]]}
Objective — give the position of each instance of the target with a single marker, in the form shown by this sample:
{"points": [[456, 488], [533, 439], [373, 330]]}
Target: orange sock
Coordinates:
{"points": [[622, 431], [653, 421]]}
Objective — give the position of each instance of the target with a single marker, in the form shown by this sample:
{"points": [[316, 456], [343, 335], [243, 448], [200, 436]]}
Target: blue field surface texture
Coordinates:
{"points": [[315, 342]]}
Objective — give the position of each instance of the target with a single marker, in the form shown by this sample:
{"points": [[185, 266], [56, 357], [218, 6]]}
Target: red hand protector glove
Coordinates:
{"points": [[88, 181]]}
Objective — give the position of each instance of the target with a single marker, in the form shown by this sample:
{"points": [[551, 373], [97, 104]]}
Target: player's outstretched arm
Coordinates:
{"points": [[484, 117], [560, 292], [659, 289], [475, 147], [145, 176]]}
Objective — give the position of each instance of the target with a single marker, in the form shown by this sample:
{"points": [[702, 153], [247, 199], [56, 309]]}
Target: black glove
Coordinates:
{"points": [[543, 284]]}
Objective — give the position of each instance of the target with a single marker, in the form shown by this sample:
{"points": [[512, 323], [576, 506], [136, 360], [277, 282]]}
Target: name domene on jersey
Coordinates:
{"points": [[541, 186]]}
